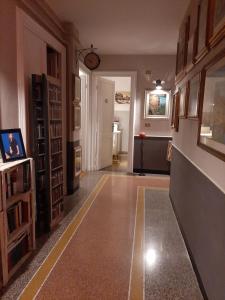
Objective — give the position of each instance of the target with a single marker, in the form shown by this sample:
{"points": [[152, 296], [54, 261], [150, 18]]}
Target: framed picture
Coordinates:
{"points": [[182, 48], [77, 160], [191, 42], [183, 101], [193, 97], [217, 21], [11, 145], [122, 97], [175, 111], [202, 29], [76, 116], [156, 104], [212, 113], [76, 88]]}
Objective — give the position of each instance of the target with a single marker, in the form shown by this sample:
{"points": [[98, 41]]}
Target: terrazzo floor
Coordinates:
{"points": [[168, 272]]}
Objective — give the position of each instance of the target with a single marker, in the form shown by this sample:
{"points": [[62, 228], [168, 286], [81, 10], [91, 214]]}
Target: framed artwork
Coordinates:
{"points": [[182, 48], [122, 97], [76, 116], [76, 88], [202, 29], [212, 113], [193, 97], [11, 145], [217, 22], [175, 111], [156, 104], [183, 102], [77, 160], [191, 42]]}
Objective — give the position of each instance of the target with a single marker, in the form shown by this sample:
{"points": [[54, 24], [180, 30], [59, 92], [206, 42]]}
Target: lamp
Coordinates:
{"points": [[158, 83], [148, 75]]}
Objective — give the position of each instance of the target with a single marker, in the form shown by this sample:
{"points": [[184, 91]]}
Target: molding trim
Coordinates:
{"points": [[197, 167]]}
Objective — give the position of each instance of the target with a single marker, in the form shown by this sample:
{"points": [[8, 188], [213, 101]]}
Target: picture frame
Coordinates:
{"points": [[211, 134], [193, 97], [175, 111], [182, 49], [11, 145], [77, 160], [156, 104], [191, 42], [183, 101], [76, 116], [76, 88], [202, 30], [217, 21]]}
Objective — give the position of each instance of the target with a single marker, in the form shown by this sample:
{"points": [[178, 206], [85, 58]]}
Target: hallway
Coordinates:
{"points": [[123, 242]]}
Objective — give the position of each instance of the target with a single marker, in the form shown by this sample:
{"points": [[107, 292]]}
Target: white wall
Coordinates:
{"points": [[161, 66]]}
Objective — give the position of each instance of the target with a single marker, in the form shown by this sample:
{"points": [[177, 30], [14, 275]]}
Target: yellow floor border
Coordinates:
{"points": [[43, 272], [136, 289]]}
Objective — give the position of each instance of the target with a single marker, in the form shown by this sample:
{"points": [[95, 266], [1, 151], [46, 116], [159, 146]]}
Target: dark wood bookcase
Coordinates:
{"points": [[47, 143]]}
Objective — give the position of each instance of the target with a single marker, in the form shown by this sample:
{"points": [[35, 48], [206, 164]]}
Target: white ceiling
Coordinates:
{"points": [[125, 26]]}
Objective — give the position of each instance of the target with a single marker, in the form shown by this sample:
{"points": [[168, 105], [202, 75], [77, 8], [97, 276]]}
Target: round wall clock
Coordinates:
{"points": [[92, 60]]}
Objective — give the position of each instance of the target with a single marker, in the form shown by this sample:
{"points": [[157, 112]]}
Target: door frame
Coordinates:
{"points": [[95, 114], [85, 119]]}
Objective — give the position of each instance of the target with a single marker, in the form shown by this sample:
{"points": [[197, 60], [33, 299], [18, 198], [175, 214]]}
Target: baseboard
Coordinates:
{"points": [[147, 171]]}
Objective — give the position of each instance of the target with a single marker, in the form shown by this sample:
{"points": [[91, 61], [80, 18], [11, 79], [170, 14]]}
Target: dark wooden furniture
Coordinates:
{"points": [[154, 155]]}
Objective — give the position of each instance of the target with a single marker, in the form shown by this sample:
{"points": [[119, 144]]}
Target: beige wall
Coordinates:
{"points": [[161, 66], [8, 65]]}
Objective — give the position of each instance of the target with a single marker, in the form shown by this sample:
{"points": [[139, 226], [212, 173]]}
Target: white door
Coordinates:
{"points": [[105, 100]]}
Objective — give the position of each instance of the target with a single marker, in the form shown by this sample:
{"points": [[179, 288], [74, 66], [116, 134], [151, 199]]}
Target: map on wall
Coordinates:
{"points": [[122, 97]]}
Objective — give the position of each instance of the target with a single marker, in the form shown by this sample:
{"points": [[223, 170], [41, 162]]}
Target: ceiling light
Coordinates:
{"points": [[158, 84]]}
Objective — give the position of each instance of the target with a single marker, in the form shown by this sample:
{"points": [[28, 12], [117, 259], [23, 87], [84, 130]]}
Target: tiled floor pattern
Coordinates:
{"points": [[95, 269]]}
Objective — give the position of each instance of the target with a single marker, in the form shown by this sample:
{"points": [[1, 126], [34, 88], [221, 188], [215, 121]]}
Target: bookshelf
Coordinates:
{"points": [[17, 215], [47, 150]]}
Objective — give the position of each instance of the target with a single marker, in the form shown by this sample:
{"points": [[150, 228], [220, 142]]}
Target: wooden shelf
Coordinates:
{"points": [[15, 198], [19, 264], [54, 80], [16, 233], [57, 168]]}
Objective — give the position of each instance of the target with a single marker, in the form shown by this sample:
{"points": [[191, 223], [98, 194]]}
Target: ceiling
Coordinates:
{"points": [[139, 27]]}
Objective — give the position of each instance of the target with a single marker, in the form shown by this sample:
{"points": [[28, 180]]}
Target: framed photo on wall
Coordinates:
{"points": [[212, 113], [202, 29], [156, 104], [183, 101], [217, 21], [175, 111], [11, 145], [77, 160], [193, 97], [76, 88]]}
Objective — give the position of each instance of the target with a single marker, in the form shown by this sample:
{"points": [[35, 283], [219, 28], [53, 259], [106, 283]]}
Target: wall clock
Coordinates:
{"points": [[92, 60]]}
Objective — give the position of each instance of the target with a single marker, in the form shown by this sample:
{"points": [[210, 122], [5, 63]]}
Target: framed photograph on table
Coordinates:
{"points": [[76, 88], [193, 97], [156, 104], [217, 21], [11, 145], [183, 101], [212, 113]]}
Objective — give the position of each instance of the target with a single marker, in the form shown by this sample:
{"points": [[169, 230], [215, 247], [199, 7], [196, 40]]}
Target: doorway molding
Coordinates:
{"points": [[95, 113]]}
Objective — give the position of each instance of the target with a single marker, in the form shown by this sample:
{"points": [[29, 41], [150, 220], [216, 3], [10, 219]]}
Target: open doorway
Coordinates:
{"points": [[120, 125]]}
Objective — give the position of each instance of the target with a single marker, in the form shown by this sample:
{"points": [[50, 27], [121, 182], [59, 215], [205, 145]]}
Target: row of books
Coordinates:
{"points": [[17, 215], [54, 93], [57, 194], [56, 161], [56, 146], [57, 210], [41, 163], [57, 177], [36, 92], [39, 112], [41, 181], [40, 131], [55, 111], [18, 180], [18, 249], [41, 147], [56, 130]]}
